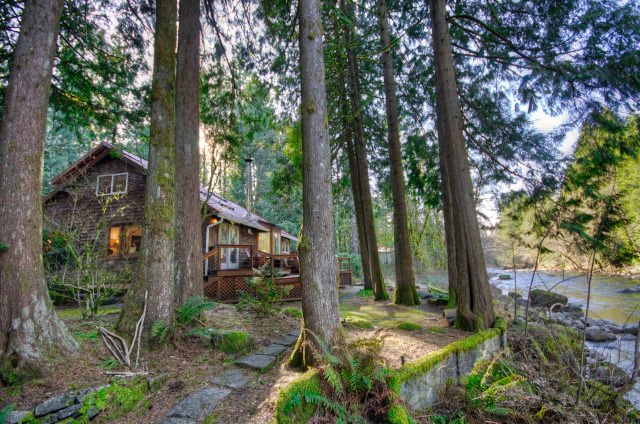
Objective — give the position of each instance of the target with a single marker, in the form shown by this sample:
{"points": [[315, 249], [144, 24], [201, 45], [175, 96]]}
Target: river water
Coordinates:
{"points": [[606, 303]]}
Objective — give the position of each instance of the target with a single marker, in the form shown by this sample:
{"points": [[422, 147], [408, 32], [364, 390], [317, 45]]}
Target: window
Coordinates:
{"points": [[110, 184], [276, 244], [286, 245], [264, 243], [124, 240]]}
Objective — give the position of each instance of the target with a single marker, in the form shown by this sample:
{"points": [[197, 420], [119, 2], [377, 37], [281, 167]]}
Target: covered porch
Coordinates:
{"points": [[228, 266]]}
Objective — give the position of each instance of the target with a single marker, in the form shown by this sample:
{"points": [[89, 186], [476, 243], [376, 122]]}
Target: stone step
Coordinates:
{"points": [[197, 405], [274, 349], [257, 362], [287, 340], [232, 379]]}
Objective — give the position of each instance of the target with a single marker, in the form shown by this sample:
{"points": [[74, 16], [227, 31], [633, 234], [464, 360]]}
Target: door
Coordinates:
{"points": [[230, 256]]}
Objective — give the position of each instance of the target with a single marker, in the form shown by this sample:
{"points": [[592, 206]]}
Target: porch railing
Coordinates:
{"points": [[248, 257]]}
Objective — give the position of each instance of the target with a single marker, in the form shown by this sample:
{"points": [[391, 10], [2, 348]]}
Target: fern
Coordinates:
{"points": [[190, 311], [159, 330]]}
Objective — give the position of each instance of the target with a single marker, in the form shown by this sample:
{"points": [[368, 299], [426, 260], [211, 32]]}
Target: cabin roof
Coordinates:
{"points": [[224, 208]]}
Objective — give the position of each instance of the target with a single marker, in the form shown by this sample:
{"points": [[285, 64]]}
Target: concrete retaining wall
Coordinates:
{"points": [[419, 383]]}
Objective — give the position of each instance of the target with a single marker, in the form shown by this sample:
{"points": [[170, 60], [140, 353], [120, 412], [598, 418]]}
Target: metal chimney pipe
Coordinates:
{"points": [[249, 184]]}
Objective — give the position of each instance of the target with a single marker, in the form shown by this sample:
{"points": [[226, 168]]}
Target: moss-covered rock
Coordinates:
{"points": [[293, 312], [234, 342], [546, 298]]}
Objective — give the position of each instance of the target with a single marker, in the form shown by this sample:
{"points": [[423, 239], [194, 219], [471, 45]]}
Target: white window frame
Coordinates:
{"points": [[112, 176]]}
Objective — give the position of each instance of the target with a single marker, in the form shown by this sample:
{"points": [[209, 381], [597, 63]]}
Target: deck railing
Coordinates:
{"points": [[248, 258]]}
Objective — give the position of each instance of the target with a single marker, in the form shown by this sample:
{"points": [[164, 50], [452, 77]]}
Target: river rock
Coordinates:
{"points": [[546, 298], [612, 375], [597, 334], [630, 290], [628, 337], [630, 330]]}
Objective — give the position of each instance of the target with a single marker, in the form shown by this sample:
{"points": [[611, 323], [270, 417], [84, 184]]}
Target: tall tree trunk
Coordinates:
{"points": [[361, 163], [188, 223], [317, 256], [473, 298], [30, 330], [156, 265], [356, 189], [356, 186], [406, 293]]}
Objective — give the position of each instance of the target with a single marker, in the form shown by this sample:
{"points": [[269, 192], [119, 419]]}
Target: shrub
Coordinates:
{"points": [[264, 294]]}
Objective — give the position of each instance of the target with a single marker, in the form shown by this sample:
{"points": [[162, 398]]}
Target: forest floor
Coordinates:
{"points": [[190, 364]]}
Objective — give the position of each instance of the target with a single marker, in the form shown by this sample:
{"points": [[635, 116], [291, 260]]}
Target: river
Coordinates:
{"points": [[606, 303]]}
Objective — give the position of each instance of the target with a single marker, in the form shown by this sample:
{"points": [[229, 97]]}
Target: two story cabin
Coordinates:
{"points": [[100, 200]]}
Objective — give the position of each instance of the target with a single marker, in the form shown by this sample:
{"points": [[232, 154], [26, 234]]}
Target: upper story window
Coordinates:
{"points": [[110, 184]]}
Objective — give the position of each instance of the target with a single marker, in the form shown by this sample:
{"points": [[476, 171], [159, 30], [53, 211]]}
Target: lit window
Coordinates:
{"points": [[124, 240], [111, 184], [264, 244]]}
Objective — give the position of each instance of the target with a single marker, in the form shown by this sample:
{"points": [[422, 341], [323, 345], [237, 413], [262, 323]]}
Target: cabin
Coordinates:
{"points": [[99, 199]]}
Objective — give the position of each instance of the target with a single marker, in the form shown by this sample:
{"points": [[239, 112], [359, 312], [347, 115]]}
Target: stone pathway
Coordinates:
{"points": [[266, 357], [198, 405]]}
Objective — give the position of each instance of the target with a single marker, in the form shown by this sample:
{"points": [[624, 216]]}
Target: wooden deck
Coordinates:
{"points": [[225, 285]]}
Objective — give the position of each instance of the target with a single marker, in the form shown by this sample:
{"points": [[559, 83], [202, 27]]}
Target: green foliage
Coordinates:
{"points": [[191, 310], [408, 326], [491, 382], [457, 418], [159, 330], [366, 293], [293, 312], [109, 363], [5, 411], [115, 400], [87, 336], [264, 294], [3, 246], [350, 387]]}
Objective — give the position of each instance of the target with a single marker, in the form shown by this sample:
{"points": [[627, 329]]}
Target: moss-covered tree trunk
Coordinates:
{"points": [[360, 158], [188, 222], [316, 246], [467, 267], [155, 273], [406, 293], [30, 331]]}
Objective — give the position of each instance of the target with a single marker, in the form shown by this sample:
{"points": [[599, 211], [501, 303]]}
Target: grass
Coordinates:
{"points": [[76, 313], [293, 312], [408, 326]]}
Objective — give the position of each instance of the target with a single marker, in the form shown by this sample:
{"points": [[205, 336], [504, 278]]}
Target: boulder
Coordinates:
{"points": [[54, 404], [630, 290], [514, 295], [597, 334], [15, 417], [627, 329], [628, 338], [612, 375], [546, 298]]}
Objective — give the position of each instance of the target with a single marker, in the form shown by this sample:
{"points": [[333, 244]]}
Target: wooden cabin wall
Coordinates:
{"points": [[79, 210]]}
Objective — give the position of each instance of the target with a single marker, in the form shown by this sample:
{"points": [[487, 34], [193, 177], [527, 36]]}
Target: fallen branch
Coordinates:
{"points": [[118, 346]]}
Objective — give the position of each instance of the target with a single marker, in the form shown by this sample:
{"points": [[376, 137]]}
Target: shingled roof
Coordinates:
{"points": [[219, 205]]}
